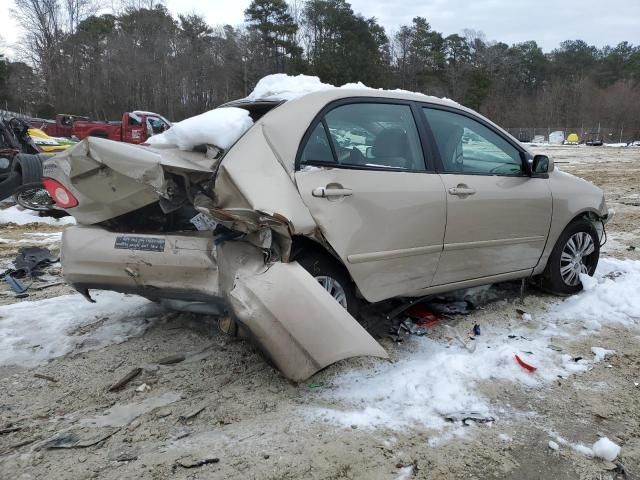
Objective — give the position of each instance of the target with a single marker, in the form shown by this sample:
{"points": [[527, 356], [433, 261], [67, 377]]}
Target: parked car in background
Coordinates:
{"points": [[330, 200], [135, 127], [593, 139]]}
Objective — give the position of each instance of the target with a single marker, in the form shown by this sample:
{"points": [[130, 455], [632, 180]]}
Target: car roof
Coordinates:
{"points": [[285, 126]]}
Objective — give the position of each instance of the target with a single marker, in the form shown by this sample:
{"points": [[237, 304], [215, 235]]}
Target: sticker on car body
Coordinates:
{"points": [[147, 244]]}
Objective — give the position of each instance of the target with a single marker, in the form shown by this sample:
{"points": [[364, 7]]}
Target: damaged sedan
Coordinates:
{"points": [[317, 205]]}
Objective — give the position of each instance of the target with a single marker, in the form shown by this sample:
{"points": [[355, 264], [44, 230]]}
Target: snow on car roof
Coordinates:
{"points": [[280, 86], [222, 127]]}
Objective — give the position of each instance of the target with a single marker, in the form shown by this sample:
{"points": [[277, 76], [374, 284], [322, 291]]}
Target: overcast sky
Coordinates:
{"points": [[547, 21]]}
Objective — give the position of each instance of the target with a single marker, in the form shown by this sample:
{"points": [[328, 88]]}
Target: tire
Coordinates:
{"points": [[29, 166], [9, 185], [332, 276], [559, 276]]}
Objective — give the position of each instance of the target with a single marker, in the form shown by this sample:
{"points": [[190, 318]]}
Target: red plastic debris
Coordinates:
{"points": [[526, 366], [422, 316]]}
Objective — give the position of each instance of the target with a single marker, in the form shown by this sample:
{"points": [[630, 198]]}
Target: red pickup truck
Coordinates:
{"points": [[135, 127]]}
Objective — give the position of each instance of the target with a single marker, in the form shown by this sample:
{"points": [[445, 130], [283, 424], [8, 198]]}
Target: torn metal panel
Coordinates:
{"points": [[251, 177], [130, 176], [296, 323]]}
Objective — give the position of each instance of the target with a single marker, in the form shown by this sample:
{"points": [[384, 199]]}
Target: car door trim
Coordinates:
{"points": [[448, 247], [392, 254]]}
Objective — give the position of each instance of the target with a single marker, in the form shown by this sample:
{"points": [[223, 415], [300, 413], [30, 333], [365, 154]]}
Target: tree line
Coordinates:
{"points": [[139, 56]]}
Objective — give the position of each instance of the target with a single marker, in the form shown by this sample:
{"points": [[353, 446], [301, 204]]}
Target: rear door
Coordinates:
{"points": [[364, 177], [498, 217]]}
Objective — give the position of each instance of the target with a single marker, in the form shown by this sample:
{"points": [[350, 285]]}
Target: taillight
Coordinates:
{"points": [[63, 197]]}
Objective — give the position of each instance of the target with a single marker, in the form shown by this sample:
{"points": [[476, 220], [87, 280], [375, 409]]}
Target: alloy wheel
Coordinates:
{"points": [[576, 258]]}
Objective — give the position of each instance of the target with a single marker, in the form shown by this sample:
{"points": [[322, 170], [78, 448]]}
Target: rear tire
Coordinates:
{"points": [[576, 251], [332, 277]]}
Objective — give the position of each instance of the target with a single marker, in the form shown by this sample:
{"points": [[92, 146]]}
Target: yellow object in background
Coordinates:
{"points": [[573, 138], [47, 144]]}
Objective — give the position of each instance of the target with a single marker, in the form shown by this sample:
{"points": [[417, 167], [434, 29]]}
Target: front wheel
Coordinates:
{"points": [[576, 252]]}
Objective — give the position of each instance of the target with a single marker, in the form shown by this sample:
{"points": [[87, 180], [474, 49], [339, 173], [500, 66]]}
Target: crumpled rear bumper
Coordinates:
{"points": [[156, 266], [281, 307]]}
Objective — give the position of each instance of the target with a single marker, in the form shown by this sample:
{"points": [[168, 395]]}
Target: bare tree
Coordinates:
{"points": [[78, 10]]}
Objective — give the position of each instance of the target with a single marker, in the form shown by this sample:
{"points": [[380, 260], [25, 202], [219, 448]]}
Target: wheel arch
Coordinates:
{"points": [[589, 213]]}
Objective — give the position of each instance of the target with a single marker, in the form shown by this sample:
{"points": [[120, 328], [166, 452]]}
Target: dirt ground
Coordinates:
{"points": [[223, 406]]}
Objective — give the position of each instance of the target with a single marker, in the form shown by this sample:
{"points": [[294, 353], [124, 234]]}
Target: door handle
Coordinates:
{"points": [[323, 192], [461, 191]]}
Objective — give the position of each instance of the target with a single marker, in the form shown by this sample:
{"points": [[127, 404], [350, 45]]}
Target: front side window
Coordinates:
{"points": [[368, 135], [467, 146]]}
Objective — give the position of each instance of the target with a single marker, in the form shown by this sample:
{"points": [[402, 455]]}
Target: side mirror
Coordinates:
{"points": [[540, 164]]}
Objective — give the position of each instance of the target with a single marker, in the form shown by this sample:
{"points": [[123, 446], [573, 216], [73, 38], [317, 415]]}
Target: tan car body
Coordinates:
{"points": [[420, 242]]}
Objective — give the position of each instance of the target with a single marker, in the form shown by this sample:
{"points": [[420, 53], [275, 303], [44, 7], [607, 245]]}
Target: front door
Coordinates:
{"points": [[364, 179], [498, 217]]}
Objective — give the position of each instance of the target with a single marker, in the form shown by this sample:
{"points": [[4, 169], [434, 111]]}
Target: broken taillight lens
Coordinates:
{"points": [[60, 194]]}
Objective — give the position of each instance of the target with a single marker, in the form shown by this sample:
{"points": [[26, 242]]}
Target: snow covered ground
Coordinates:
{"points": [[32, 333], [437, 378], [19, 216]]}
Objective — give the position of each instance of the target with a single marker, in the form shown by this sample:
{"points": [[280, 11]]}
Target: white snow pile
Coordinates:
{"points": [[603, 448], [19, 216], [281, 86], [612, 297], [33, 332], [221, 127], [436, 378]]}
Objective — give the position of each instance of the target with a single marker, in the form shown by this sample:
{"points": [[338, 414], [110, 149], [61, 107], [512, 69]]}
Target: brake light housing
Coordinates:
{"points": [[59, 193]]}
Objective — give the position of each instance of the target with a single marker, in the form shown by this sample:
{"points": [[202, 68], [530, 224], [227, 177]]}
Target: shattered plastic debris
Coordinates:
{"points": [[191, 462], [526, 366], [422, 316], [28, 263], [452, 308], [466, 417], [79, 438]]}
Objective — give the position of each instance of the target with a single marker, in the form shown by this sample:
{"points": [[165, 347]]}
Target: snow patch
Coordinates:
{"points": [[19, 216], [221, 127], [605, 448], [33, 332], [613, 299]]}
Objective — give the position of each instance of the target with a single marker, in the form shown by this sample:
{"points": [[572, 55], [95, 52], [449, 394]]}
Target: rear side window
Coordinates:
{"points": [[317, 148], [379, 135], [467, 146]]}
